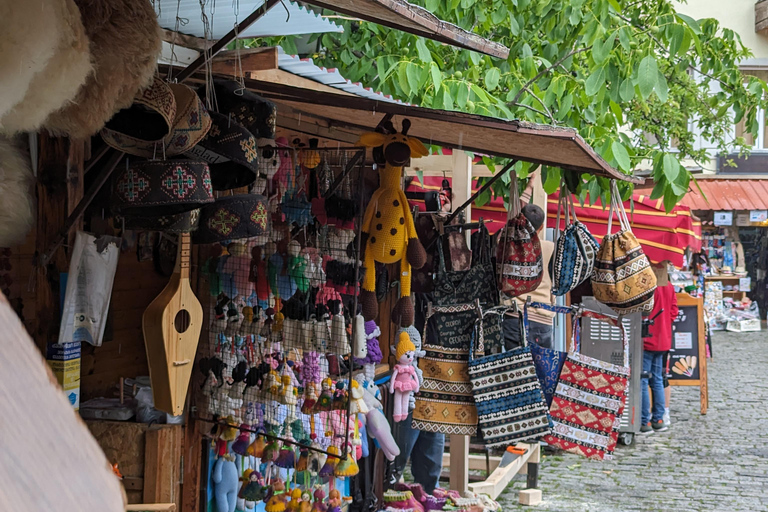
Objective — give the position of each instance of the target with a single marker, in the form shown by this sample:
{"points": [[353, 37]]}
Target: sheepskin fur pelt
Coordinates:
{"points": [[28, 36], [125, 43], [58, 83], [17, 207]]}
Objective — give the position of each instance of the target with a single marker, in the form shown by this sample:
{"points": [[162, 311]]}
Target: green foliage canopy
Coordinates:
{"points": [[632, 76]]}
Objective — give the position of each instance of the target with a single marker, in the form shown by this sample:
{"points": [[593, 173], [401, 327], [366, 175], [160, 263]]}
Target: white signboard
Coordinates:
{"points": [[758, 215], [742, 219], [745, 284], [723, 218], [683, 340]]}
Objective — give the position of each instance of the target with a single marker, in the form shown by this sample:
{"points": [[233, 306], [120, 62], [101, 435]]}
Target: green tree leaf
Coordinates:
{"points": [[661, 88], [413, 75], [424, 54], [595, 81], [437, 75], [690, 22], [492, 77], [671, 167], [647, 75], [463, 95], [627, 90], [621, 155]]}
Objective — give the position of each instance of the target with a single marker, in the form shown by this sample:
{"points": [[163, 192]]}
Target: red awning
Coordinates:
{"points": [[723, 194], [664, 236]]}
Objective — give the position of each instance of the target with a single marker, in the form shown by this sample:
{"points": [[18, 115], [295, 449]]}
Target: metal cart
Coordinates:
{"points": [[603, 341]]}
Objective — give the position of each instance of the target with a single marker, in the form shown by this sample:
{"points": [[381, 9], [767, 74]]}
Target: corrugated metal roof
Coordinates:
{"points": [[725, 194], [306, 68], [283, 19]]}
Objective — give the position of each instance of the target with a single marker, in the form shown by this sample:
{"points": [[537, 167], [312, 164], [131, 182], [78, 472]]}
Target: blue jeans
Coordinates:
{"points": [[653, 366], [425, 450]]}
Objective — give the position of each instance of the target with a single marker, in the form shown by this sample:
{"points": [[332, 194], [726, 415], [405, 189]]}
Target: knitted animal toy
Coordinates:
{"points": [[226, 482], [404, 378], [388, 223]]}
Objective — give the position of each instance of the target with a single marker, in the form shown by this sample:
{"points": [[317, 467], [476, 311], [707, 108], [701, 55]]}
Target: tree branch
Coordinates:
{"points": [[532, 109], [541, 102], [544, 71]]}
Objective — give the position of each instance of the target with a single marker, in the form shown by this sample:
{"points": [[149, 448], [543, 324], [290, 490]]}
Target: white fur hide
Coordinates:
{"points": [[58, 83], [28, 36], [17, 201]]}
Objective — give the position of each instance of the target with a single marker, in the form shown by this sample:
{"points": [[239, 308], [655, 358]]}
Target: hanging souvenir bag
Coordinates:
{"points": [[548, 362], [518, 254], [589, 400], [508, 397], [623, 278], [445, 403], [575, 249]]}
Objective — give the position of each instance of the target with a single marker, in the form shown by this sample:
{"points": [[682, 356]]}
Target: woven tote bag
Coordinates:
{"points": [[575, 249], [589, 400], [518, 253], [547, 361], [623, 279], [510, 404], [445, 403]]}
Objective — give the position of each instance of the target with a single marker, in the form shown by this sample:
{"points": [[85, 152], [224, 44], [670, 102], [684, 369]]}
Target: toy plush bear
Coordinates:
{"points": [[388, 224]]}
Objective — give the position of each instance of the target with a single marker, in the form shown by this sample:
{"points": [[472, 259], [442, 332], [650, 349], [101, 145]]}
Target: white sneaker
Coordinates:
{"points": [[665, 420]]}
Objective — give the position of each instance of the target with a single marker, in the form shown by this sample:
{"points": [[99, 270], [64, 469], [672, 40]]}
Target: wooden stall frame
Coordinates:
{"points": [[683, 299]]}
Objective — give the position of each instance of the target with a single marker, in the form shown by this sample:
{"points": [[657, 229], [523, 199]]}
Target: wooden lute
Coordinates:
{"points": [[172, 325]]}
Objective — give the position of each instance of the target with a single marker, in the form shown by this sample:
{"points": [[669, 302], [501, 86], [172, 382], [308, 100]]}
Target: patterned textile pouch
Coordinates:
{"points": [[623, 279], [548, 362], [589, 400], [518, 253], [575, 249], [510, 404]]}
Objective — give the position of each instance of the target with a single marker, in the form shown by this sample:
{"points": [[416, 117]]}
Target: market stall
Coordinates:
{"points": [[213, 265]]}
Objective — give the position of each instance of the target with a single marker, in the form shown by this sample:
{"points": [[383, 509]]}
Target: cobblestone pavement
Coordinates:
{"points": [[717, 462]]}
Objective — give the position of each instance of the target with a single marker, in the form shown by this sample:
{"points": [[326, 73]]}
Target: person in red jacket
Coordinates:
{"points": [[654, 348]]}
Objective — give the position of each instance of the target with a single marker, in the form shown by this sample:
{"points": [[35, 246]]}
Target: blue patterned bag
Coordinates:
{"points": [[548, 362], [510, 404], [575, 249]]}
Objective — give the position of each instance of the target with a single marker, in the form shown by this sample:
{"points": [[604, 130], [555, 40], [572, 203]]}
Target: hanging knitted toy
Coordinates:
{"points": [[318, 505], [389, 225], [361, 344], [404, 378], [259, 275], [238, 266]]}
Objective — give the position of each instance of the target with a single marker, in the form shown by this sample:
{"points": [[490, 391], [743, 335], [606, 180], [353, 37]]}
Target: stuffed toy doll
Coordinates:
{"points": [[404, 378], [388, 224], [226, 483], [236, 272]]}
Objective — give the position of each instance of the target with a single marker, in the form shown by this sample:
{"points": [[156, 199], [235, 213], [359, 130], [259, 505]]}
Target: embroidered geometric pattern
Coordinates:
{"points": [[259, 215], [178, 182], [132, 185], [223, 221], [249, 146], [519, 253]]}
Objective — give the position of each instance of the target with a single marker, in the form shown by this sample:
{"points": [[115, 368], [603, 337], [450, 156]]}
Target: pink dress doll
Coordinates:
{"points": [[404, 379]]}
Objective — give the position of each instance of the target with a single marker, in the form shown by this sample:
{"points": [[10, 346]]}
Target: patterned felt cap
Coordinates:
{"points": [[256, 114], [233, 217], [150, 118], [180, 223], [230, 151], [156, 188]]}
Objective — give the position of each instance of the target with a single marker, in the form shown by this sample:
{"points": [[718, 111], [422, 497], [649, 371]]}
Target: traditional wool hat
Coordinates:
{"points": [[125, 42], [58, 82], [190, 124], [161, 187], [17, 209], [149, 119], [180, 223], [233, 217], [252, 111], [231, 152]]}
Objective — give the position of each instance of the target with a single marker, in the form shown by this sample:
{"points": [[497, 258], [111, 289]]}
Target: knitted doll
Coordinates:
{"points": [[404, 378], [236, 272], [388, 223], [413, 332]]}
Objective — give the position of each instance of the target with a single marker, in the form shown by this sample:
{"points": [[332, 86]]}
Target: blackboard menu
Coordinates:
{"points": [[684, 356]]}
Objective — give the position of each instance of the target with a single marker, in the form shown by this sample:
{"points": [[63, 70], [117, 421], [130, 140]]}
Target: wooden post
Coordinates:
{"points": [[462, 190], [162, 455]]}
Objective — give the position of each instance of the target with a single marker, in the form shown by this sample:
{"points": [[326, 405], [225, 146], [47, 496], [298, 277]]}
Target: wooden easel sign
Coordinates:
{"points": [[688, 357]]}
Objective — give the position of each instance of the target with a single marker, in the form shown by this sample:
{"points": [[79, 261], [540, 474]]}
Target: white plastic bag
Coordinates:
{"points": [[89, 288]]}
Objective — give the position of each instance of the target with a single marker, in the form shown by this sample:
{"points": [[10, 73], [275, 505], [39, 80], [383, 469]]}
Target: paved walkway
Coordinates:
{"points": [[717, 462]]}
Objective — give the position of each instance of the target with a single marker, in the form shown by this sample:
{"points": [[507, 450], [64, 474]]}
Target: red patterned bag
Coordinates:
{"points": [[518, 253], [589, 400]]}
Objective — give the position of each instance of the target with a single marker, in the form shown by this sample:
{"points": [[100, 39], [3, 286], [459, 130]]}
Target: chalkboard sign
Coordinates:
{"points": [[688, 356]]}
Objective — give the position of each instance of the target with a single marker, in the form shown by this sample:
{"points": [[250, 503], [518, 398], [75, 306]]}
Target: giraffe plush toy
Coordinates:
{"points": [[388, 224]]}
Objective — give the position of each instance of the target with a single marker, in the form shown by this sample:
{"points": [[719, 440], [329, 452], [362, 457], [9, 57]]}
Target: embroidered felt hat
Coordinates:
{"points": [[149, 119], [256, 114], [230, 151], [125, 41], [161, 187], [233, 217], [190, 124], [179, 223], [53, 86]]}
